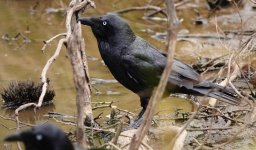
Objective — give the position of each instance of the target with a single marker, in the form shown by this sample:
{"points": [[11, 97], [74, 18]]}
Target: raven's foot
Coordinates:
{"points": [[136, 123]]}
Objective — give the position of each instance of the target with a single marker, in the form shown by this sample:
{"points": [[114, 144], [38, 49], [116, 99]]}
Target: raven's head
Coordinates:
{"points": [[109, 27], [42, 137]]}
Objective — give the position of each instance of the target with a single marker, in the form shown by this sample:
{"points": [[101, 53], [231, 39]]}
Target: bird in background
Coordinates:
{"points": [[138, 66], [45, 137]]}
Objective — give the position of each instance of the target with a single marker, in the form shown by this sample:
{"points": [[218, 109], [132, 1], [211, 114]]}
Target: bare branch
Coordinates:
{"points": [[46, 67], [46, 43], [147, 7], [76, 51], [24, 107], [73, 9], [158, 93]]}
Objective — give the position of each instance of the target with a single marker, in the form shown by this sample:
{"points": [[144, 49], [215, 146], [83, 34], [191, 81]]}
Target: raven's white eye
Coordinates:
{"points": [[104, 23], [39, 137]]}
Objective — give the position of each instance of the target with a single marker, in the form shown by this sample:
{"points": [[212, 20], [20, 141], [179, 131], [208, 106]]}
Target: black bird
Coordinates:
{"points": [[45, 137], [138, 66]]}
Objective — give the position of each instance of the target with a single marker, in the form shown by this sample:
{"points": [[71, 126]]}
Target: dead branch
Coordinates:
{"points": [[150, 7], [76, 48], [75, 5], [239, 32], [109, 105], [55, 114], [7, 37], [110, 144], [157, 94], [46, 43], [83, 87], [176, 138], [147, 7], [98, 116], [253, 1], [104, 106], [23, 107], [225, 116], [64, 122], [212, 60], [203, 36], [46, 68], [143, 144], [44, 80], [126, 111], [12, 119], [206, 129], [118, 132], [101, 103]]}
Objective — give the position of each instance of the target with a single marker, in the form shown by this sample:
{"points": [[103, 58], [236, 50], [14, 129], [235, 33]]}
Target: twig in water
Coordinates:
{"points": [[206, 129], [174, 140], [148, 7], [118, 132]]}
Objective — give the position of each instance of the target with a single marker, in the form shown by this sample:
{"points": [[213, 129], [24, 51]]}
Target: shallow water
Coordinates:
{"points": [[24, 61]]}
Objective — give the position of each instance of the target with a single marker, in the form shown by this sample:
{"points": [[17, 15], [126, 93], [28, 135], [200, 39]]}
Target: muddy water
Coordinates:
{"points": [[24, 61]]}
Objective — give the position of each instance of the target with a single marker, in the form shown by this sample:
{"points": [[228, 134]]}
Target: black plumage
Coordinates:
{"points": [[138, 66], [43, 137]]}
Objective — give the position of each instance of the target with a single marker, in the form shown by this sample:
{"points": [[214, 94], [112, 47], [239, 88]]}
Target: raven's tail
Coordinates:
{"points": [[216, 91]]}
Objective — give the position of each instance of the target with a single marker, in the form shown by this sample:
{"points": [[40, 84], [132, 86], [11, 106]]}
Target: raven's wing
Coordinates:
{"points": [[144, 64], [142, 69], [183, 75]]}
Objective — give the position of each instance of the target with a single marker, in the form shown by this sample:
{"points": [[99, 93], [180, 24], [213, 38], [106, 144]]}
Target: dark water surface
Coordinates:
{"points": [[24, 61]]}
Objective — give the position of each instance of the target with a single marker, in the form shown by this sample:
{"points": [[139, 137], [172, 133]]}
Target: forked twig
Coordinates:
{"points": [[46, 43], [44, 80]]}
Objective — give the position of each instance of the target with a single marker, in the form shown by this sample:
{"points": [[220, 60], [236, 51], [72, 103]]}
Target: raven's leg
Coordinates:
{"points": [[144, 104], [140, 114], [138, 120]]}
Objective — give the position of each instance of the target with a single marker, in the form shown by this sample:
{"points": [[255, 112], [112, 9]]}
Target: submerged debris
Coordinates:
{"points": [[22, 92], [54, 10], [218, 4], [209, 64], [200, 21], [102, 81], [252, 79], [26, 40]]}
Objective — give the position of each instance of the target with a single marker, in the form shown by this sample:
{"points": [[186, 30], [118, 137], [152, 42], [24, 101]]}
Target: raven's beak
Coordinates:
{"points": [[86, 21], [13, 137]]}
